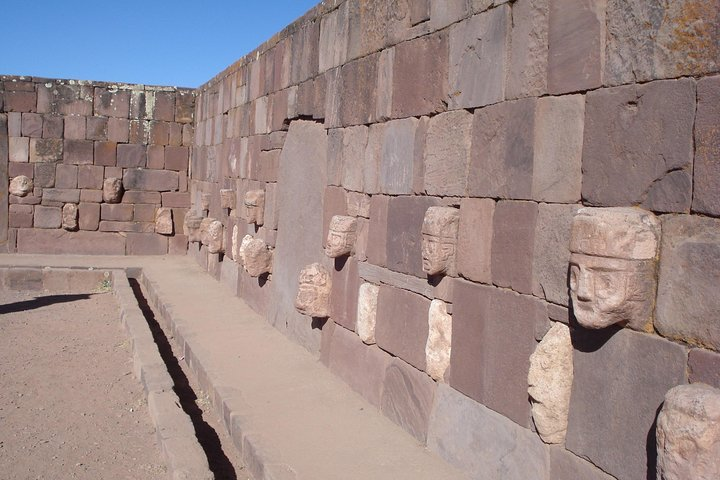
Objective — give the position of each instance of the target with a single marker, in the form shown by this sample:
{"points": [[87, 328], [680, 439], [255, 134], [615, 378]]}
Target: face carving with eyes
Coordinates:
{"points": [[439, 237], [341, 236], [436, 254], [313, 297], [254, 202]]}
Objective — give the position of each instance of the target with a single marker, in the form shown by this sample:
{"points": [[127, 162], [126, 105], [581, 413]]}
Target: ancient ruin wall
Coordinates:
{"points": [[515, 115], [61, 140]]}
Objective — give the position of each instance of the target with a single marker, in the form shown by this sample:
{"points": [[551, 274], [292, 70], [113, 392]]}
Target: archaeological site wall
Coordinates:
{"points": [[96, 167], [497, 221]]}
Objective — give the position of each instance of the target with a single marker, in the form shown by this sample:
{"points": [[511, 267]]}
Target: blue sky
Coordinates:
{"points": [[180, 43]]}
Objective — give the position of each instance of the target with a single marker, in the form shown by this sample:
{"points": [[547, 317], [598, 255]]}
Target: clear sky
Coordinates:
{"points": [[156, 42]]}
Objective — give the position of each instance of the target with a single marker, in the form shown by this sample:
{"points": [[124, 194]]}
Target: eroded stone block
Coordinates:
{"points": [[527, 69], [438, 346], [447, 153], [341, 236], [70, 216], [407, 398], [164, 221], [112, 190], [367, 312], [314, 288], [439, 240], [257, 257]]}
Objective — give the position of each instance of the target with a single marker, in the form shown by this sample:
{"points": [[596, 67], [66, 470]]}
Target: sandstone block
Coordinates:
{"points": [[482, 316], [446, 12], [575, 45], [96, 128], [438, 346], [59, 241], [70, 216], [638, 146], [383, 103], [63, 195], [404, 233], [478, 52], [46, 150], [688, 433], [378, 230], [78, 152], [89, 216], [396, 164], [47, 217], [164, 221], [75, 127], [112, 104], [20, 216], [407, 398], [447, 153], [116, 212], [371, 160], [344, 294], [134, 227], [401, 326], [334, 33], [153, 180], [502, 155], [367, 312], [19, 148], [512, 245], [145, 212], [475, 239], [130, 156], [550, 382], [706, 169], [527, 69], [687, 302], [368, 22], [53, 127], [419, 11], [420, 76], [137, 196], [146, 244], [90, 176], [118, 130], [358, 82], [482, 442], [20, 101], [358, 204], [704, 367], [565, 465], [92, 196], [616, 439], [66, 176]]}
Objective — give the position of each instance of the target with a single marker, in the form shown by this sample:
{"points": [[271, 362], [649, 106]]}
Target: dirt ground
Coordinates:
{"points": [[70, 406]]}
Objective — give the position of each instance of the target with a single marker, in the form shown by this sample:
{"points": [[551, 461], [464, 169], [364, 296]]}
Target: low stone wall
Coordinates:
{"points": [[511, 117], [61, 141]]}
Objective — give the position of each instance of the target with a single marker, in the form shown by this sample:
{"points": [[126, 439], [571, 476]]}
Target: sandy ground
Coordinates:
{"points": [[70, 406]]}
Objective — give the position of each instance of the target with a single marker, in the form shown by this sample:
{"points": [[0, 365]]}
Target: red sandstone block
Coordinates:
{"points": [[358, 83], [89, 216], [150, 180], [159, 133], [61, 195], [156, 157], [19, 149], [75, 127], [21, 216], [377, 233], [118, 130], [344, 295], [181, 200], [32, 125], [43, 174], [90, 176], [52, 126], [704, 366], [66, 176], [143, 212], [105, 154], [146, 244], [93, 196], [15, 169], [113, 172], [136, 196], [130, 156], [78, 152], [20, 101], [47, 217], [164, 106], [184, 107], [177, 245], [14, 121], [118, 212], [112, 104], [136, 227], [176, 130], [60, 241], [46, 150], [402, 324], [176, 158], [407, 398], [96, 128], [512, 245]]}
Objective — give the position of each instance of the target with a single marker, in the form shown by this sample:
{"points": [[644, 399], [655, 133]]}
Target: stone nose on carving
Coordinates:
{"points": [[584, 288]]}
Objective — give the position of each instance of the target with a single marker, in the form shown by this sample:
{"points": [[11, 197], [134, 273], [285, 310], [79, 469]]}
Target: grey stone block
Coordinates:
{"points": [[688, 305], [482, 442], [404, 239], [401, 325], [513, 245], [613, 408], [398, 157]]}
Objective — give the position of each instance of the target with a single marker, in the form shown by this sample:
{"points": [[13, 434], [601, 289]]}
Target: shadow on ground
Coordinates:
{"points": [[39, 302]]}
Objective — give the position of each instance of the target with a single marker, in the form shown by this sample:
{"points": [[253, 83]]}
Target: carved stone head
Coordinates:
{"points": [[254, 202], [341, 236], [205, 200], [20, 186], [227, 198], [612, 267], [257, 257], [191, 226], [112, 190], [212, 235], [439, 240], [313, 296]]}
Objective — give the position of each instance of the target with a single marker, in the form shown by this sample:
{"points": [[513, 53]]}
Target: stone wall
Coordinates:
{"points": [[64, 139], [515, 115]]}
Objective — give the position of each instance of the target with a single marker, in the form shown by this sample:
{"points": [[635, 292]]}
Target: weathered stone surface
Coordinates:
{"points": [[653, 39], [575, 41], [64, 195], [383, 103], [557, 164], [513, 244], [475, 239], [342, 234], [688, 433], [482, 442], [550, 382], [131, 156], [378, 230], [446, 12], [367, 312], [112, 190], [20, 216], [396, 164], [66, 176], [420, 71], [254, 206], [46, 150], [212, 233], [404, 233], [314, 288], [551, 252], [478, 56], [47, 217], [164, 221], [482, 316], [447, 153], [612, 415], [257, 257], [70, 216], [439, 240], [638, 146], [368, 27], [407, 398], [501, 159], [354, 141], [688, 306], [371, 161], [227, 198], [527, 69], [89, 216], [146, 244], [334, 32], [438, 346], [344, 295], [21, 185], [59, 241], [704, 367], [402, 324], [152, 180], [358, 81], [379, 275], [241, 245], [19, 149], [565, 465], [4, 173], [358, 204], [706, 169]]}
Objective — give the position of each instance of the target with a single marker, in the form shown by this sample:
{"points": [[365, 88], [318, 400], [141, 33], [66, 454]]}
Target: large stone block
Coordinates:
{"points": [[4, 173], [482, 318], [46, 150], [302, 175], [150, 180], [513, 245], [407, 398], [398, 150], [527, 69], [575, 45], [305, 53], [88, 216], [551, 255], [565, 465], [344, 295], [647, 40], [378, 230], [404, 233], [501, 159], [706, 170], [354, 141], [478, 53], [446, 12], [688, 305], [78, 152], [146, 244], [704, 367], [112, 104], [420, 75], [475, 239], [401, 325], [368, 27], [557, 163], [447, 153], [357, 89], [59, 241], [482, 442], [371, 161], [613, 408], [334, 33], [638, 146]]}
